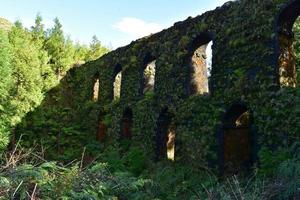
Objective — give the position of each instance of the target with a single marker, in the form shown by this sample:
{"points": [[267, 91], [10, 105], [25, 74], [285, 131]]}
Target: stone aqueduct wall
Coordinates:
{"points": [[244, 72]]}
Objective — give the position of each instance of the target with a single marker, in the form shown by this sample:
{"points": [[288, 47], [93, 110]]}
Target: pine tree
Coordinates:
{"points": [[38, 38], [60, 50], [38, 29], [96, 49]]}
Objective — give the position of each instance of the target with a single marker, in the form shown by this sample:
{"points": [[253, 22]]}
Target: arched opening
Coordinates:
{"points": [[148, 74], [165, 136], [96, 88], [117, 82], [149, 77], [101, 133], [126, 124], [237, 151], [201, 64], [288, 33]]}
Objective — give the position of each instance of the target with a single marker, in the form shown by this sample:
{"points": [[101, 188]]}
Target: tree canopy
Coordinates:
{"points": [[32, 61]]}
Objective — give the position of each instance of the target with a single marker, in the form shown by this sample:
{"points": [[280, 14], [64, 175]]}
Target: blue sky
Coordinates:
{"points": [[115, 22]]}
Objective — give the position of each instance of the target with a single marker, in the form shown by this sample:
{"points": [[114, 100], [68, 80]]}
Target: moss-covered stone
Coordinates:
{"points": [[244, 69]]}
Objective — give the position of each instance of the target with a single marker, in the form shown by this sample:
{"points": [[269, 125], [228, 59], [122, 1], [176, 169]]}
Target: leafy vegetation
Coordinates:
{"points": [[46, 101], [32, 62], [24, 174]]}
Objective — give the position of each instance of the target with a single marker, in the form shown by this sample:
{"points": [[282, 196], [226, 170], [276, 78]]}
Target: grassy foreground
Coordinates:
{"points": [[25, 174]]}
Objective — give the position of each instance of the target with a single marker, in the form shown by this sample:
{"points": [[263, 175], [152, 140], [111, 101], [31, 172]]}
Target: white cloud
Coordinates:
{"points": [[137, 28]]}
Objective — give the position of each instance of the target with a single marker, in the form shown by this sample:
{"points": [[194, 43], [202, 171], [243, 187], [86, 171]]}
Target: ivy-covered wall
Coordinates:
{"points": [[244, 70]]}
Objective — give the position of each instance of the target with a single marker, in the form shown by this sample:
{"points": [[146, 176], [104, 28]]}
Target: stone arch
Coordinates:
{"points": [[126, 124], [96, 87], [149, 69], [200, 65], [287, 71], [165, 136], [117, 82], [237, 152], [101, 131]]}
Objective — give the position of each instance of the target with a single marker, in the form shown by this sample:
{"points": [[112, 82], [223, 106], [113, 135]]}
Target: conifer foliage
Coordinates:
{"points": [[32, 61]]}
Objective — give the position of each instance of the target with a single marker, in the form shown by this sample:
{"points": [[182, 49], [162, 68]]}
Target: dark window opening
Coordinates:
{"points": [[237, 140], [101, 133], [126, 124], [165, 136], [201, 64], [289, 45]]}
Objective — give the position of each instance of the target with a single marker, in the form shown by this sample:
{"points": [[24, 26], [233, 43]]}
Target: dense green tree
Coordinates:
{"points": [[60, 50], [27, 91], [6, 85], [38, 37], [32, 61]]}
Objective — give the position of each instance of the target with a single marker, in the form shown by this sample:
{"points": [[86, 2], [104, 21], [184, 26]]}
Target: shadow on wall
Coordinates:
{"points": [[66, 120]]}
